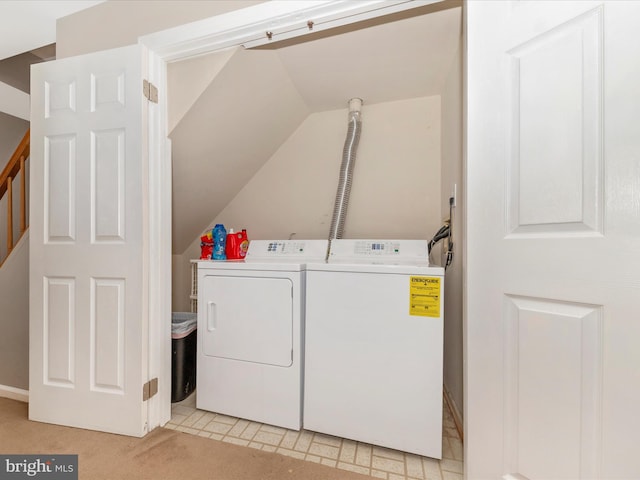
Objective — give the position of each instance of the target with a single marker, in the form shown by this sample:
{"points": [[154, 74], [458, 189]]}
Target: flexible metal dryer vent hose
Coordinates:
{"points": [[346, 170]]}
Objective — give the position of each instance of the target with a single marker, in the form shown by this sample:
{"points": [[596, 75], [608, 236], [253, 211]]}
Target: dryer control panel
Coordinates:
{"points": [[386, 252], [287, 250]]}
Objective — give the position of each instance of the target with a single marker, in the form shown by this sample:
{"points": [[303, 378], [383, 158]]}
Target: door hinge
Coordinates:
{"points": [[149, 389], [150, 91]]}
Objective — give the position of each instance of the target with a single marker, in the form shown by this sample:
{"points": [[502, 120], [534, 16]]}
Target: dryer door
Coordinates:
{"points": [[247, 318]]}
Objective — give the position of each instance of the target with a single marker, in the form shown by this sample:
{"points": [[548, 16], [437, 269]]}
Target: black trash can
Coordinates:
{"points": [[183, 357]]}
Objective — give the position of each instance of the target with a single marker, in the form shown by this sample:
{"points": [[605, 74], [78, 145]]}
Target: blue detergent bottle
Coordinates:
{"points": [[219, 242]]}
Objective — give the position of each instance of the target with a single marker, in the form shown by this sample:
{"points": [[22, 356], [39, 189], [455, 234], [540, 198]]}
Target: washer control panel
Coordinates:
{"points": [[391, 252]]}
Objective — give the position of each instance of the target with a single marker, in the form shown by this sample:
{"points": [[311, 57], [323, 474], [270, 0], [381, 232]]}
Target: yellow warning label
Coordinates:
{"points": [[424, 296]]}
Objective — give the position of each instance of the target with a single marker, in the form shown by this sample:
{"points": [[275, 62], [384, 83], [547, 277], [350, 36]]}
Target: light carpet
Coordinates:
{"points": [[161, 455]]}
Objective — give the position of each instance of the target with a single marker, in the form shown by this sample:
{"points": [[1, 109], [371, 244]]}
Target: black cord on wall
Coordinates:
{"points": [[446, 231]]}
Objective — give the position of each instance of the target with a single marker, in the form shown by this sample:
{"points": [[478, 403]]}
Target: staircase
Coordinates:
{"points": [[14, 171]]}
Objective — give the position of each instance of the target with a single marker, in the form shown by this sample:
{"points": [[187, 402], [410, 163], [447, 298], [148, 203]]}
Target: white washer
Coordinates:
{"points": [[374, 345], [250, 332]]}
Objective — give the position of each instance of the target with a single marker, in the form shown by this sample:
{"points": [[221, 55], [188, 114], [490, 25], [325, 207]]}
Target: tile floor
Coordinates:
{"points": [[325, 449]]}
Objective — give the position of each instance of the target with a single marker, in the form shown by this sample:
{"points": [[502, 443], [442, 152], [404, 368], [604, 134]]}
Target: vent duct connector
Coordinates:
{"points": [[346, 169]]}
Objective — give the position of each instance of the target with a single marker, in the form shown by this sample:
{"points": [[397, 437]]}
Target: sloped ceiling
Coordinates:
{"points": [[261, 96], [238, 122], [189, 79]]}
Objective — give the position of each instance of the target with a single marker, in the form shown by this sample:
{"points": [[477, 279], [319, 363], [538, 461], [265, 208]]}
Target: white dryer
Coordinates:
{"points": [[250, 332], [374, 345]]}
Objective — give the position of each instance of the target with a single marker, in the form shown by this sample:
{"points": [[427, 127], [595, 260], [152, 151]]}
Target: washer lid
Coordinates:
{"points": [[378, 269]]}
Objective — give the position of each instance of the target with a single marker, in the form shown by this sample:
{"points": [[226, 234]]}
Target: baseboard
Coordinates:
{"points": [[457, 418], [14, 393]]}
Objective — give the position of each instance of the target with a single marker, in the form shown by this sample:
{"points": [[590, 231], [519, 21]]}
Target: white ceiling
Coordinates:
{"points": [[26, 25], [394, 60]]}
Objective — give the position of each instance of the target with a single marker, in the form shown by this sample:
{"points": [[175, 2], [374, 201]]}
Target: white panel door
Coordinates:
{"points": [[553, 256], [88, 293]]}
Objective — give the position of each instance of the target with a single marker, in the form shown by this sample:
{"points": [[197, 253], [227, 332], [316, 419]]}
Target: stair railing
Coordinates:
{"points": [[15, 167]]}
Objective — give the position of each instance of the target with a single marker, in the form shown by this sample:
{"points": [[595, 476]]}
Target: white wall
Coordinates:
{"points": [[188, 79], [452, 174], [396, 183], [14, 102], [119, 23], [14, 305]]}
